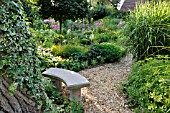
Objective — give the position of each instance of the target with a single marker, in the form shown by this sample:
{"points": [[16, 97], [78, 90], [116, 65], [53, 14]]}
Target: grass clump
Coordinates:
{"points": [[148, 29]]}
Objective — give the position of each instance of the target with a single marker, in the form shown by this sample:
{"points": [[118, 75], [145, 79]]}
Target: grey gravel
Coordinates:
{"points": [[105, 82]]}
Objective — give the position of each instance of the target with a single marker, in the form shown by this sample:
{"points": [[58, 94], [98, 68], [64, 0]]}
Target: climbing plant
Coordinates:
{"points": [[19, 60], [30, 10]]}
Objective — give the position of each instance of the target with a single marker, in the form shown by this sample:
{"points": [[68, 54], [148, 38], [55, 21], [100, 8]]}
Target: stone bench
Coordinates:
{"points": [[73, 81]]}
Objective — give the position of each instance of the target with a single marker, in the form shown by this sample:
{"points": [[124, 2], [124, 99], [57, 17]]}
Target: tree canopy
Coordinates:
{"points": [[62, 10]]}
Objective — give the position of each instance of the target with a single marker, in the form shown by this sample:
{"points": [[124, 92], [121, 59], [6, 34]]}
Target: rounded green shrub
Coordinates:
{"points": [[72, 50], [105, 52], [148, 86]]}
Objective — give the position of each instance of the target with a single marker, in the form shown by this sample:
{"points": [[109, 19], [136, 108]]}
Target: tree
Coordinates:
{"points": [[20, 102], [62, 10], [114, 3]]}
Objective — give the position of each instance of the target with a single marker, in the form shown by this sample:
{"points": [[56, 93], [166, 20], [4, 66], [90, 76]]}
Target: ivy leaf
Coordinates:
{"points": [[15, 4], [13, 87], [3, 28]]}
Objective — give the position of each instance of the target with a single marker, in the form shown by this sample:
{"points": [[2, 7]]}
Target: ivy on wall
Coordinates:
{"points": [[17, 50]]}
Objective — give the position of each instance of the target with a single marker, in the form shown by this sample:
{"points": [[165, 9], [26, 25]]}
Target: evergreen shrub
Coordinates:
{"points": [[105, 52], [72, 50]]}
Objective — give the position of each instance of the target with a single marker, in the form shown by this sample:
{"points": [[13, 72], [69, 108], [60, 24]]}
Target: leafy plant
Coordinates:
{"points": [[57, 50], [99, 12], [121, 14], [148, 29], [85, 41], [38, 24], [111, 21], [31, 10], [72, 50], [71, 64], [88, 32], [106, 52], [148, 86], [18, 52], [75, 107], [52, 92], [104, 37]]}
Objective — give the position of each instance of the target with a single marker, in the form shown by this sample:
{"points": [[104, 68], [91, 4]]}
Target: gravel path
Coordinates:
{"points": [[103, 94]]}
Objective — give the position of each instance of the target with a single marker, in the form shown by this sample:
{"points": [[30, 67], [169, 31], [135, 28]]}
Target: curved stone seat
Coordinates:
{"points": [[74, 81]]}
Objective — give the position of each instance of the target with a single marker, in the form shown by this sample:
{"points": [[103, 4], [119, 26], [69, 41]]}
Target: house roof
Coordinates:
{"points": [[129, 4]]}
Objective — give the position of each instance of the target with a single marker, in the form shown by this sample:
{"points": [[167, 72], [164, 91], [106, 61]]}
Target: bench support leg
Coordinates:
{"points": [[75, 94], [58, 84]]}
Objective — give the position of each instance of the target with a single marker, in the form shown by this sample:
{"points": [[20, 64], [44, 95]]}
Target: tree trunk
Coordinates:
{"points": [[17, 103], [61, 39]]}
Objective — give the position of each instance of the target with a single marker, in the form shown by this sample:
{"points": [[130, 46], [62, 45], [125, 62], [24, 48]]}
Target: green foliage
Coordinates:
{"points": [[100, 29], [148, 86], [72, 50], [120, 14], [104, 37], [67, 51], [70, 64], [81, 58], [75, 107], [52, 93], [99, 12], [85, 41], [63, 9], [31, 10], [94, 62], [39, 24], [57, 50], [18, 51], [19, 57], [105, 52], [46, 38], [148, 28], [110, 20], [77, 63], [88, 32]]}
